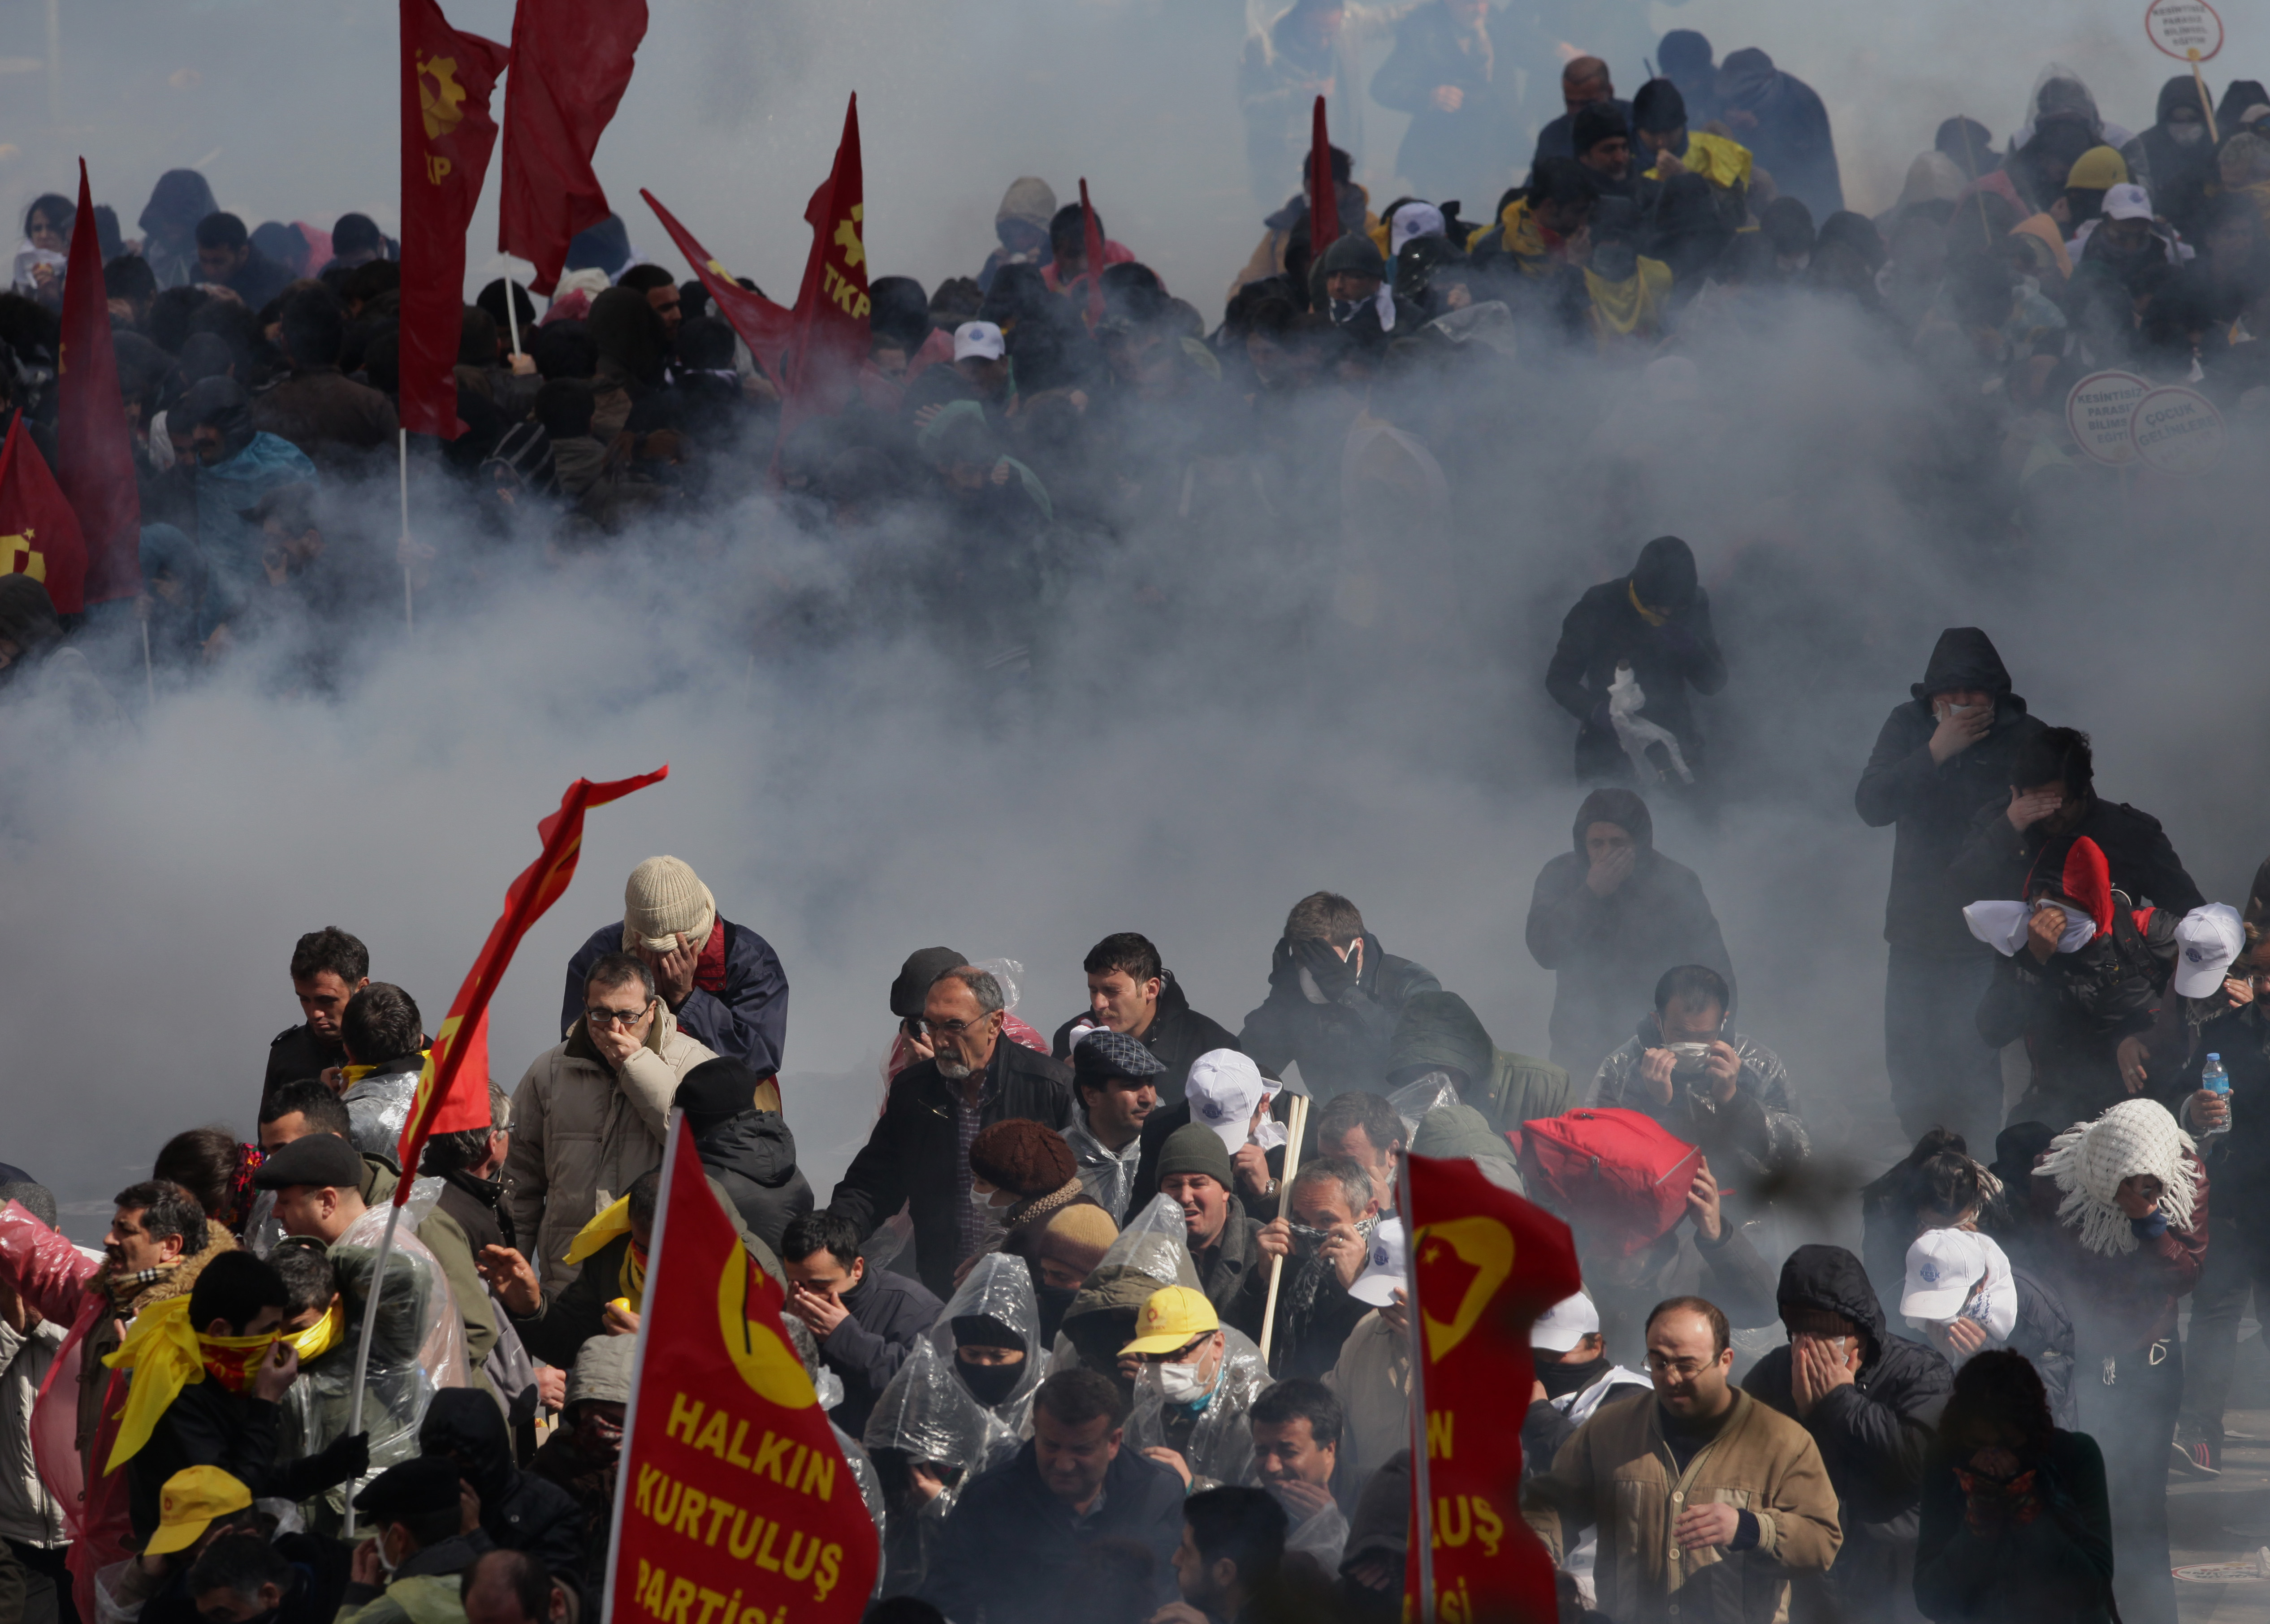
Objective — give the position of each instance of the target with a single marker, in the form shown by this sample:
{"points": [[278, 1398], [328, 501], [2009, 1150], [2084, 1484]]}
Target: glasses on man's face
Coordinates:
{"points": [[954, 1029], [614, 1017], [1683, 1370]]}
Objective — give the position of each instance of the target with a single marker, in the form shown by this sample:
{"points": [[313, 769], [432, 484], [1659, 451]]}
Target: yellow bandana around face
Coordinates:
{"points": [[164, 1354], [354, 1074], [319, 1338], [614, 1222]]}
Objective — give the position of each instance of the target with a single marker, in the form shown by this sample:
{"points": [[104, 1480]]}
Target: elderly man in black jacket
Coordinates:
{"points": [[918, 1153], [1657, 621], [1870, 1399], [1131, 991], [1016, 1547], [1608, 919], [1939, 761], [1334, 997]]}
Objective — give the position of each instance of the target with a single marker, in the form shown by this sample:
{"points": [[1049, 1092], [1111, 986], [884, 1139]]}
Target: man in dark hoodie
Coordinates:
{"points": [[1334, 998], [1657, 621], [1608, 919], [1440, 1032], [2051, 797], [749, 1152], [1781, 119], [1940, 759], [2175, 159], [1131, 991], [1870, 1400], [520, 1511]]}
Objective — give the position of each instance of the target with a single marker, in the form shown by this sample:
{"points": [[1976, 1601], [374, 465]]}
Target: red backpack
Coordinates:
{"points": [[1620, 1175]]}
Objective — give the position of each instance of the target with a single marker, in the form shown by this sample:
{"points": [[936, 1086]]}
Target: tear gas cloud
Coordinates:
{"points": [[1293, 709]]}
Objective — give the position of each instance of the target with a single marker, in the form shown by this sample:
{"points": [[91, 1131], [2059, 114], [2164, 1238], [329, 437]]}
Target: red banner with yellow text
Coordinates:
{"points": [[39, 533], [452, 1090], [828, 345], [735, 1504], [1485, 1263]]}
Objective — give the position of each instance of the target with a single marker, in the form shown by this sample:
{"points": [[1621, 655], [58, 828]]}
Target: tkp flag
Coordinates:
{"points": [[39, 533], [447, 135]]}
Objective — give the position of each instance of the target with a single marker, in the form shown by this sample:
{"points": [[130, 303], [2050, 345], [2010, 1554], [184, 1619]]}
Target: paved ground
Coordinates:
{"points": [[2226, 1519]]}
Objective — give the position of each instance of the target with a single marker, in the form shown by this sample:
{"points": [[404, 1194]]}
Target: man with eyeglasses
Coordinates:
{"points": [[918, 1154], [588, 1117], [1703, 1500]]}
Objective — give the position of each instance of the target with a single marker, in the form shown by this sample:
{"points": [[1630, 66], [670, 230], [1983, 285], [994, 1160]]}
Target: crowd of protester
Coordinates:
{"points": [[1039, 1304]]}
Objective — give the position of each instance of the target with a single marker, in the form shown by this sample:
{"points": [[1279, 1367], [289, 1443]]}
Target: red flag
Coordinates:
{"points": [[732, 1482], [1323, 196], [829, 344], [1484, 1264], [94, 458], [571, 63], [763, 325], [1092, 244], [39, 533], [447, 135], [461, 1049]]}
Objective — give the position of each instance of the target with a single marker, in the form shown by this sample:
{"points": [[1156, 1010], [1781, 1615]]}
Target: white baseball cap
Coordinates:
{"points": [[2206, 940], [1566, 1323], [1383, 1265], [2129, 202], [1223, 1089], [1943, 1265], [979, 339]]}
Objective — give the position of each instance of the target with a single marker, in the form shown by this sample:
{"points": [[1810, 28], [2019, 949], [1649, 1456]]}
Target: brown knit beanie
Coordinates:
{"points": [[1025, 1158]]}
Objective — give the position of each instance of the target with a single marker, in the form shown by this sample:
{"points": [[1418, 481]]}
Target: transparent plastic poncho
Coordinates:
{"points": [[1414, 1100], [1220, 1446], [417, 1348], [928, 1412]]}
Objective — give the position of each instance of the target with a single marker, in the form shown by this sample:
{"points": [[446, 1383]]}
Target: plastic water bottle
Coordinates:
{"points": [[2215, 1080]]}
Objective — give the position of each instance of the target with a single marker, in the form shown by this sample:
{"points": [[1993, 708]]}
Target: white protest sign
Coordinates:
{"points": [[2099, 412], [2178, 430], [2187, 30]]}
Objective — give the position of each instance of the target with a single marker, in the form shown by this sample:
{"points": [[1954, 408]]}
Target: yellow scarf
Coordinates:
{"points": [[1633, 304], [1631, 590], [165, 1354], [354, 1074], [1525, 239], [616, 1220], [1716, 158]]}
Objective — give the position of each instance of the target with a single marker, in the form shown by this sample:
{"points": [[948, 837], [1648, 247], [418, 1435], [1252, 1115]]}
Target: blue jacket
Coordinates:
{"points": [[231, 544], [748, 1022]]}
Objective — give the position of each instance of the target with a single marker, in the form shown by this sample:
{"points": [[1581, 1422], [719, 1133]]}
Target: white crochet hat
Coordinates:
{"points": [[663, 897], [2090, 1159]]}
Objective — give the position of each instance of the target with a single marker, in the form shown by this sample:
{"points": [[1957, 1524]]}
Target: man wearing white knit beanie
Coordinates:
{"points": [[721, 981]]}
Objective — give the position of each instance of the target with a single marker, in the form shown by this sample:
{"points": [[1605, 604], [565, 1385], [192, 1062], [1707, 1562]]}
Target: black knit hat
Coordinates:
{"points": [[1597, 122], [1659, 107]]}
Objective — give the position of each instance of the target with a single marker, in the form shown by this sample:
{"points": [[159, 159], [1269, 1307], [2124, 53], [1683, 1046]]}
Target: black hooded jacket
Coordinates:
{"points": [[520, 1511], [1996, 859], [1341, 1046], [1608, 951], [2176, 176], [1177, 1036], [1605, 629], [752, 1154], [1933, 803], [1874, 1434]]}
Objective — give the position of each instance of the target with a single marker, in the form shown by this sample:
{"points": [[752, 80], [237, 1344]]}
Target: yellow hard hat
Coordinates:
{"points": [[1174, 1316], [2099, 169], [191, 1499]]}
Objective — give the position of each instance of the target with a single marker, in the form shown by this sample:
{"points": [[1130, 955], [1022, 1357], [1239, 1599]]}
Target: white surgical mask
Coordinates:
{"points": [[2187, 135], [982, 1199], [1179, 1383]]}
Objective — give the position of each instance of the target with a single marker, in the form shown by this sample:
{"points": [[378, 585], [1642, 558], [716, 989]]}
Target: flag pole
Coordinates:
{"points": [[1420, 1477], [1296, 1131], [363, 1344], [149, 675], [511, 307], [409, 621]]}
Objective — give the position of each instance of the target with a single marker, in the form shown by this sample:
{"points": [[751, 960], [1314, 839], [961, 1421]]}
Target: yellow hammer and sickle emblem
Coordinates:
{"points": [[19, 556], [768, 1364], [440, 99], [847, 237], [1487, 1246]]}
